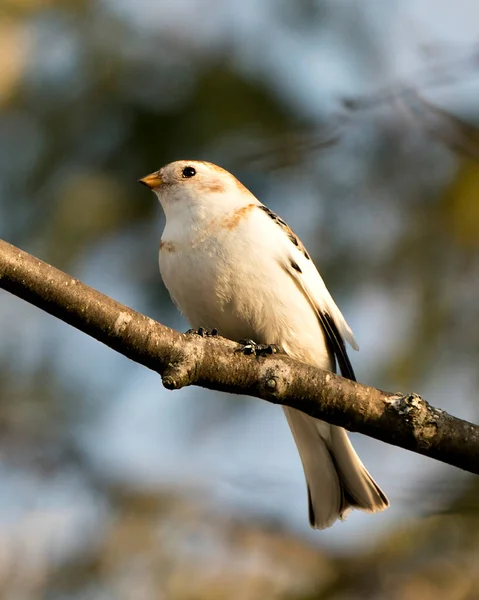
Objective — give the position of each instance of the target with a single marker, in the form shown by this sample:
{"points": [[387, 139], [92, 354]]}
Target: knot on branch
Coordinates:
{"points": [[176, 376], [184, 367], [274, 380]]}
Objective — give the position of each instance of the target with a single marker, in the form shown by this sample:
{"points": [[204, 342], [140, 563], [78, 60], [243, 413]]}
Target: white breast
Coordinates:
{"points": [[233, 280]]}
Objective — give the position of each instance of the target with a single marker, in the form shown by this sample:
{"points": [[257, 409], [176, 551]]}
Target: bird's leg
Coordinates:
{"points": [[246, 346], [203, 332], [251, 347]]}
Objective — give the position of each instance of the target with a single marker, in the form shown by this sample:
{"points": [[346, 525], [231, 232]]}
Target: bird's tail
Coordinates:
{"points": [[336, 478]]}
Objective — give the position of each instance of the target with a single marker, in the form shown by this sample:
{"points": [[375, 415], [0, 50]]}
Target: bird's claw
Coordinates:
{"points": [[203, 332], [249, 347]]}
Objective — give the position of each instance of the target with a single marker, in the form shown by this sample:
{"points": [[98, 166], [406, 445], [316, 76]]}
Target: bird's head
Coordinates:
{"points": [[191, 185]]}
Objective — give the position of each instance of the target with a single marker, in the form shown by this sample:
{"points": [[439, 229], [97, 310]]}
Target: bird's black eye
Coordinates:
{"points": [[188, 172]]}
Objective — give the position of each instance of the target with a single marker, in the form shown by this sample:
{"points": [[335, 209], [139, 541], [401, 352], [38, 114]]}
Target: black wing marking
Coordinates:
{"points": [[295, 266], [334, 339], [287, 229], [336, 344]]}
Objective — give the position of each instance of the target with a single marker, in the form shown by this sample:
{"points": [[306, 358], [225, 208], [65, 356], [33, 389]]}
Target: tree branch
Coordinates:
{"points": [[406, 421]]}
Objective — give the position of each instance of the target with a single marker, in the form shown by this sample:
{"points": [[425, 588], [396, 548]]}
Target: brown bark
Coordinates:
{"points": [[407, 421]]}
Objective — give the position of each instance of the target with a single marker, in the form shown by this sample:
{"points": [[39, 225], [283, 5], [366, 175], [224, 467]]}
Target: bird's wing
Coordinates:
{"points": [[298, 263]]}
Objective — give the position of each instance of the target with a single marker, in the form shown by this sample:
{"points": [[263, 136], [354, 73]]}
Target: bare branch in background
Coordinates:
{"points": [[457, 135], [215, 363]]}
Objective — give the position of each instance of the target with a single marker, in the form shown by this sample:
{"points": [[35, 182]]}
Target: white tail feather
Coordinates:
{"points": [[337, 479]]}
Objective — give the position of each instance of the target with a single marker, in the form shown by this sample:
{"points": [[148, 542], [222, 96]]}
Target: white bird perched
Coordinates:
{"points": [[230, 263]]}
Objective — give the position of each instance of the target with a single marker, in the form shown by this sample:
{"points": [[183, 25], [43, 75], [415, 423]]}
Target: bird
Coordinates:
{"points": [[231, 264]]}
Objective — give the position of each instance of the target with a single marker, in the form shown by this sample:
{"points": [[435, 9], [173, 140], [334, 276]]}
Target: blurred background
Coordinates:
{"points": [[357, 122]]}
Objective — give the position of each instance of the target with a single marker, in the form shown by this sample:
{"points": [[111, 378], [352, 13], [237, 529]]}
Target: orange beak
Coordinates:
{"points": [[151, 181]]}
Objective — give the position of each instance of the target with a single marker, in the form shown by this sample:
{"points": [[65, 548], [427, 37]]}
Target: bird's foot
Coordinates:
{"points": [[203, 332], [251, 347]]}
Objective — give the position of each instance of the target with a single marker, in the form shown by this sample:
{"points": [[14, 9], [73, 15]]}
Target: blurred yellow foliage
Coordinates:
{"points": [[27, 5], [13, 53], [89, 206], [461, 205]]}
